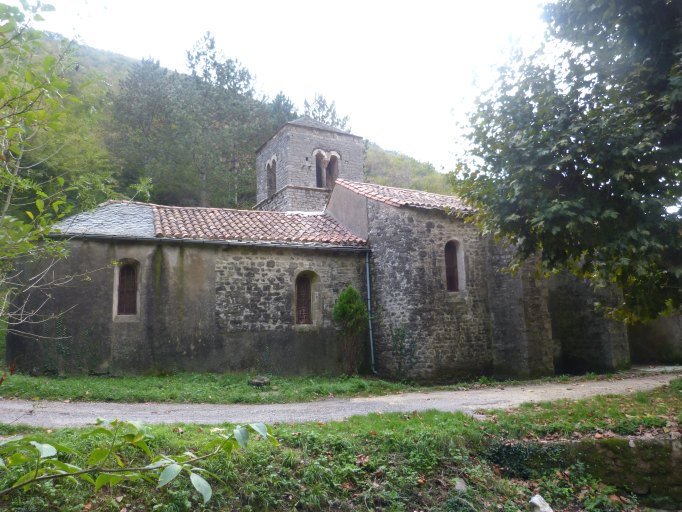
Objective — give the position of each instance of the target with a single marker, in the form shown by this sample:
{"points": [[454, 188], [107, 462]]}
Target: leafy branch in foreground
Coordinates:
{"points": [[36, 461]]}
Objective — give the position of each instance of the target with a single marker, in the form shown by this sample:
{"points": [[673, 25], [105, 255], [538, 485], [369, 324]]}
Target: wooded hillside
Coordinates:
{"points": [[141, 131]]}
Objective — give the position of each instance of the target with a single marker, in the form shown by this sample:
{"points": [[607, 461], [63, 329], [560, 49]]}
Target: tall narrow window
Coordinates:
{"points": [[271, 171], [303, 300], [332, 172], [319, 170], [451, 270], [127, 289]]}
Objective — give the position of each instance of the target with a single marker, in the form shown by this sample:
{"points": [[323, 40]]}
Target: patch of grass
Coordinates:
{"points": [[225, 388], [390, 462], [195, 388], [604, 415]]}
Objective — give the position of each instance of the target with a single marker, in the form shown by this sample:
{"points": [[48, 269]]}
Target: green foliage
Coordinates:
{"points": [[350, 312], [195, 388], [192, 137], [603, 415], [321, 110], [389, 461], [576, 487], [34, 97], [29, 461], [576, 150], [397, 170]]}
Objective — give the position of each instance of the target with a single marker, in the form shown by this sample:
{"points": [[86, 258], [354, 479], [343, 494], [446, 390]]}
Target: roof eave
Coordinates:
{"points": [[194, 241]]}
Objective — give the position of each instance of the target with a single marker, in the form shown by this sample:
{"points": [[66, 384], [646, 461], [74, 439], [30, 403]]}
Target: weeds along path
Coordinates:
{"points": [[59, 414]]}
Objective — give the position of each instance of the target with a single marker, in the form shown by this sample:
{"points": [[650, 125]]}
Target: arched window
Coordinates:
{"points": [[127, 288], [304, 291], [271, 172], [319, 170], [454, 271], [332, 172]]}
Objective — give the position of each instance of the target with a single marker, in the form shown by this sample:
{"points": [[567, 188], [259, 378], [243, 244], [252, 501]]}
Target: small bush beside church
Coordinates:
{"points": [[350, 312]]}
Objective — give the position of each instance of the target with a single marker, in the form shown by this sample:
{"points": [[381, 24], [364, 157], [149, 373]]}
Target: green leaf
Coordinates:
{"points": [[87, 478], [202, 486], [143, 446], [40, 204], [169, 473], [99, 430], [45, 450], [241, 435], [261, 429], [48, 63], [97, 455], [26, 478], [68, 468], [115, 479], [102, 480]]}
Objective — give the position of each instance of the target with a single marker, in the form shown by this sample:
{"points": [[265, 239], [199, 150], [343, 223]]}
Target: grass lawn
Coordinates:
{"points": [[220, 388], [194, 387], [391, 462]]}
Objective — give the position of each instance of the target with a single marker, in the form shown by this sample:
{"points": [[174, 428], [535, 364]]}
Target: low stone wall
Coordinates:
{"points": [[657, 342], [649, 468]]}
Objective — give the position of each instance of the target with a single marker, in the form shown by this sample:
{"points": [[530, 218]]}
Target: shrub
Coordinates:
{"points": [[350, 312]]}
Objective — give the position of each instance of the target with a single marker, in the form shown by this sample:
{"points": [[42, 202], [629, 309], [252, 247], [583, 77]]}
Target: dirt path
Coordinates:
{"points": [[60, 414]]}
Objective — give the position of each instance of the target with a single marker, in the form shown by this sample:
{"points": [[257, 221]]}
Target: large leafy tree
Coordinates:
{"points": [[36, 186], [576, 152], [193, 136]]}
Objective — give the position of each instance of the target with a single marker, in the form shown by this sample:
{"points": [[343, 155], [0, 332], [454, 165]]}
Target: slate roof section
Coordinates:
{"points": [[403, 197], [113, 219], [131, 220]]}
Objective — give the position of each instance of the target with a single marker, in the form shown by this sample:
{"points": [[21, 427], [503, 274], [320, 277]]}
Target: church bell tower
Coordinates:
{"points": [[296, 169]]}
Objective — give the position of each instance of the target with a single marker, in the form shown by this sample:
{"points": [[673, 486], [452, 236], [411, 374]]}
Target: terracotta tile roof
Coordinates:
{"points": [[222, 224], [403, 197], [140, 221]]}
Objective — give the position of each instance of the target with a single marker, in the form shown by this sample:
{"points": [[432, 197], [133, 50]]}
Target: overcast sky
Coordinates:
{"points": [[404, 71]]}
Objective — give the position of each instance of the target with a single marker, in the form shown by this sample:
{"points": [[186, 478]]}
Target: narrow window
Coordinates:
{"points": [[127, 289], [319, 170], [451, 270], [271, 171], [303, 300], [332, 172]]}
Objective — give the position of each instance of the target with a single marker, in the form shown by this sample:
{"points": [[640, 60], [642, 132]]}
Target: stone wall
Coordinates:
{"points": [[586, 340], [657, 342], [521, 325], [201, 308], [423, 331], [296, 199], [293, 148]]}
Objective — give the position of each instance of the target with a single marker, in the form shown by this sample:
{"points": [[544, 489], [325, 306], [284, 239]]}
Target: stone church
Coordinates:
{"points": [[166, 288]]}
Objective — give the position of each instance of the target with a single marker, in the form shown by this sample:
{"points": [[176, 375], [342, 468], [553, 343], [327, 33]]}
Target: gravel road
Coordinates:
{"points": [[60, 414]]}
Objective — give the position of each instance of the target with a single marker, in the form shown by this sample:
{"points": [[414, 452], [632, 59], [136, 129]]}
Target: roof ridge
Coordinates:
{"points": [[397, 196], [410, 190], [238, 210]]}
